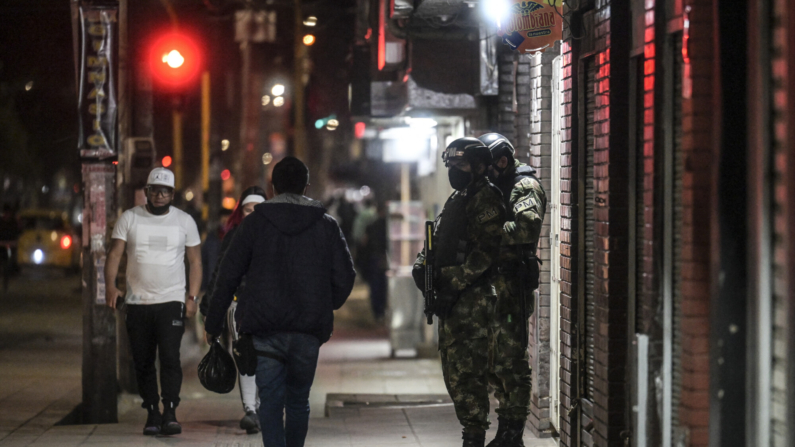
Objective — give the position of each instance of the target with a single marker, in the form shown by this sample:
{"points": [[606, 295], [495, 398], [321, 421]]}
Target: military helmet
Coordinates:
{"points": [[468, 149], [497, 144]]}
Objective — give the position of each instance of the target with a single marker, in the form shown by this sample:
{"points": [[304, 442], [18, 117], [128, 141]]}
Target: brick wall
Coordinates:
{"points": [[781, 325], [698, 194], [568, 245], [540, 154]]}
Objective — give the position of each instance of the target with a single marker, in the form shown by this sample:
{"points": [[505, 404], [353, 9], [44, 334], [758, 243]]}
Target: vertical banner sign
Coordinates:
{"points": [[97, 83], [531, 26]]}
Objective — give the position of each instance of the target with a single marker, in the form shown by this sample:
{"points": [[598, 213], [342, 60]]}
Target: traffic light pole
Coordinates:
{"points": [[176, 121], [299, 137], [205, 143]]}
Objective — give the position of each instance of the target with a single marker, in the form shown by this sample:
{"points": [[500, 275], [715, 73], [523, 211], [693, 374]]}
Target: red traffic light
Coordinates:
{"points": [[174, 60]]}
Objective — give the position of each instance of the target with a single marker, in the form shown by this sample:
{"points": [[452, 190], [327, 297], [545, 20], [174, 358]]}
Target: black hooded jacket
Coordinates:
{"points": [[297, 267]]}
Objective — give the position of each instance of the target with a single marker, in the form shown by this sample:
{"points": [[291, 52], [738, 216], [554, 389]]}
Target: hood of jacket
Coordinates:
{"points": [[291, 213]]}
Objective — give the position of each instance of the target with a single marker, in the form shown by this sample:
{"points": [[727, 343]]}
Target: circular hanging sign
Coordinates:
{"points": [[531, 26]]}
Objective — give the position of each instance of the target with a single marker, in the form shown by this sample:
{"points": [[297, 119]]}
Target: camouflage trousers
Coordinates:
{"points": [[464, 346], [508, 359]]}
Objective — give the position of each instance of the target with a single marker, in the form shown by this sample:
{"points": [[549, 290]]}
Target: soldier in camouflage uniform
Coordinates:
{"points": [[509, 367], [467, 241]]}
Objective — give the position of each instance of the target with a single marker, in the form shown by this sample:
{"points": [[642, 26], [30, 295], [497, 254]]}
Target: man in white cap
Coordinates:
{"points": [[157, 238]]}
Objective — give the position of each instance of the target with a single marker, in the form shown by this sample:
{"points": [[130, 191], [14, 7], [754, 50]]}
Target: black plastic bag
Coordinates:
{"points": [[217, 370]]}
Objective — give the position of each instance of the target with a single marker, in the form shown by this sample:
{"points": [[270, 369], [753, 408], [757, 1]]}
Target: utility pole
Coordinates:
{"points": [[96, 28]]}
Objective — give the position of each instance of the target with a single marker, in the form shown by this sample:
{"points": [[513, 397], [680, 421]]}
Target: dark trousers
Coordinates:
{"points": [[377, 280], [153, 329], [284, 387]]}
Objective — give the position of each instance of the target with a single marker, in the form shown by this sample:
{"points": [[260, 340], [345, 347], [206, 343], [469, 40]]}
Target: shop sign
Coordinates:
{"points": [[532, 26], [97, 84]]}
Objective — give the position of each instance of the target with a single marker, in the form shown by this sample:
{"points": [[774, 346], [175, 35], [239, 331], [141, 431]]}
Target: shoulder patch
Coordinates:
{"points": [[527, 182], [524, 204], [487, 215]]}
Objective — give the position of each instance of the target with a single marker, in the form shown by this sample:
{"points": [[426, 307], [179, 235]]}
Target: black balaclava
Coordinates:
{"points": [[158, 210], [458, 179]]}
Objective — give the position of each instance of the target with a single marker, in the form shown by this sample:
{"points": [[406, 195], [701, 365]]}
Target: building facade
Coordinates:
{"points": [[660, 130]]}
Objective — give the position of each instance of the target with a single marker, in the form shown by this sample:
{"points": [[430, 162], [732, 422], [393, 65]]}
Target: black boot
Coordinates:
{"points": [[153, 421], [474, 437], [509, 433], [170, 425]]}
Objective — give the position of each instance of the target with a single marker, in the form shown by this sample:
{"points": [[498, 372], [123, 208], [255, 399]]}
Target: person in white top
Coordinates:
{"points": [[157, 238]]}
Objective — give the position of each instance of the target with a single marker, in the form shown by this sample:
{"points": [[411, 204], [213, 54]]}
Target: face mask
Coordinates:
{"points": [[158, 210], [458, 178]]}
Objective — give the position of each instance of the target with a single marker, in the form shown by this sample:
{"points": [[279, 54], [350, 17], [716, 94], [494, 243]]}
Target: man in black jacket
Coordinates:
{"points": [[298, 271]]}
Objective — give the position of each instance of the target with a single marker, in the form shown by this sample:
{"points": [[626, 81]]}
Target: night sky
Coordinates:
{"points": [[38, 127]]}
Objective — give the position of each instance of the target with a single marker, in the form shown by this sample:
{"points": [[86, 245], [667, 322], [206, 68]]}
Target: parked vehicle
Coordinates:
{"points": [[47, 239]]}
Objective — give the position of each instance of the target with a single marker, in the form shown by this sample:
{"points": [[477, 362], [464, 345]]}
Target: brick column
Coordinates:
{"points": [[698, 196], [568, 246], [540, 158], [611, 211]]}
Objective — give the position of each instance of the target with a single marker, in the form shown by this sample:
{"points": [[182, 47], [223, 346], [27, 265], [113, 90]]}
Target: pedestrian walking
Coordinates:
{"points": [[467, 239], [298, 271], [250, 197], [376, 263], [157, 238], [517, 278]]}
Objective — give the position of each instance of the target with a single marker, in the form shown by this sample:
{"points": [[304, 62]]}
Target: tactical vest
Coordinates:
{"points": [[451, 233]]}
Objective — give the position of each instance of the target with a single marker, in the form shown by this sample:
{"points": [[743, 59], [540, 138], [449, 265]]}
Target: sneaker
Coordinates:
{"points": [[153, 421], [250, 423], [170, 425]]}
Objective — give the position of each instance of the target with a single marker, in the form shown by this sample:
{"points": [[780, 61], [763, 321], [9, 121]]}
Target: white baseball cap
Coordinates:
{"points": [[161, 176]]}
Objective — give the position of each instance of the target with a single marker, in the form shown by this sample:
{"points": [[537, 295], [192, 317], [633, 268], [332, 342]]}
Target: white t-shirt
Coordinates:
{"points": [[156, 253]]}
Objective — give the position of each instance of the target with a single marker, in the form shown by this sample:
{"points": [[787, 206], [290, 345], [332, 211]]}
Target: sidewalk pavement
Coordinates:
{"points": [[361, 396]]}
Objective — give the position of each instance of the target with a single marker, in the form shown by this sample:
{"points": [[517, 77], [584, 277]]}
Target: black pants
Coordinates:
{"points": [[153, 328]]}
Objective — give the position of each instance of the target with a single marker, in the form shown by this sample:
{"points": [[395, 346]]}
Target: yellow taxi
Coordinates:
{"points": [[47, 239]]}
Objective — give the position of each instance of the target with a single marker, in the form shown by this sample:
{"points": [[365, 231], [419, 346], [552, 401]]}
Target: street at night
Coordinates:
{"points": [[435, 223]]}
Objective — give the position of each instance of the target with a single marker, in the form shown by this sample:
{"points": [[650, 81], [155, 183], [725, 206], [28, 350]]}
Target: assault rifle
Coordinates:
{"points": [[429, 292]]}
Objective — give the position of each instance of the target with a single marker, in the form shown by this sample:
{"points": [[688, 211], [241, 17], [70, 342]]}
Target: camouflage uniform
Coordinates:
{"points": [[509, 370], [464, 335]]}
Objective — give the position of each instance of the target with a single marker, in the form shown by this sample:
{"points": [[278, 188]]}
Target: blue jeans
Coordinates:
{"points": [[284, 387]]}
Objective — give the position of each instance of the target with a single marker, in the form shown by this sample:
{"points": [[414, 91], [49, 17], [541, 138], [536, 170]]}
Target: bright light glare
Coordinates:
{"points": [[267, 158], [310, 21], [332, 124], [224, 144], [174, 59], [278, 90], [309, 40], [38, 256], [189, 195], [228, 203], [278, 101], [28, 86], [54, 236], [496, 10], [266, 100], [66, 242], [225, 174], [421, 123]]}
